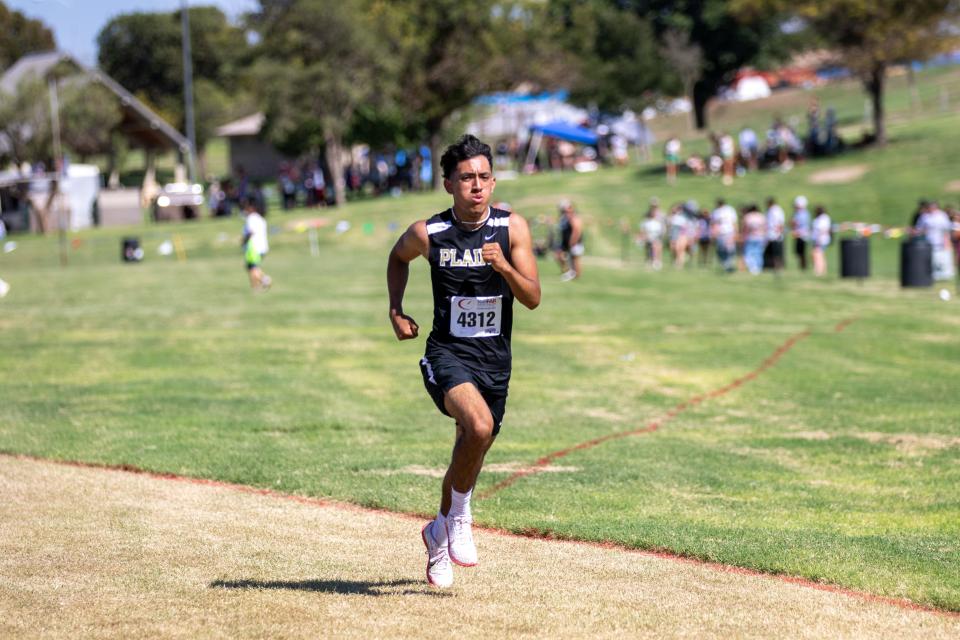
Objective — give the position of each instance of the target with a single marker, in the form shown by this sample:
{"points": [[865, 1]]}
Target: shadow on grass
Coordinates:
{"points": [[346, 587]]}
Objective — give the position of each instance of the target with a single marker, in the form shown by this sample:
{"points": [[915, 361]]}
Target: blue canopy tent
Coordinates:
{"points": [[566, 131], [558, 129]]}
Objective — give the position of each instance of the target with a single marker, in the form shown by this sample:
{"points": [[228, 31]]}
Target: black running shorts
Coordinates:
{"points": [[442, 372]]}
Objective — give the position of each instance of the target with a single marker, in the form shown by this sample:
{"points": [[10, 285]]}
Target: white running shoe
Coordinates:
{"points": [[439, 569], [568, 276], [460, 541]]}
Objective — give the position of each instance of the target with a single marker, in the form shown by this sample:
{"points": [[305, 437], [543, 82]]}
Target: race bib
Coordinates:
{"points": [[475, 317]]}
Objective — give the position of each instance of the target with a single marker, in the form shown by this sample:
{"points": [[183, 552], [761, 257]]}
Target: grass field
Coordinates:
{"points": [[838, 463]]}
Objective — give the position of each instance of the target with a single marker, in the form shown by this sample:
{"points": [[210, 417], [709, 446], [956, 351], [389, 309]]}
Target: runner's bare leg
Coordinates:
{"points": [[474, 438]]}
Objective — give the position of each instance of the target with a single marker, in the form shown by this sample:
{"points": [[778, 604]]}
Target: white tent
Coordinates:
{"points": [[76, 194], [751, 88]]}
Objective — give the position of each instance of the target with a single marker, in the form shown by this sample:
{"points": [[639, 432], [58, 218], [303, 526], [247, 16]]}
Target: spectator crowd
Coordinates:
{"points": [[782, 147], [754, 238]]}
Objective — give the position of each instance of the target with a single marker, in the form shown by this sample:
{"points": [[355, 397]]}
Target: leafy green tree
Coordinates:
{"points": [[617, 64], [321, 61], [214, 105], [142, 51], [89, 114], [449, 64], [20, 35], [727, 39], [454, 52], [25, 125], [871, 35], [25, 122], [384, 126], [529, 48]]}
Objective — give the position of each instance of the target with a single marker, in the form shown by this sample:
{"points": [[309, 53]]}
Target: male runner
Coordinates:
{"points": [[255, 244], [571, 241], [480, 260]]}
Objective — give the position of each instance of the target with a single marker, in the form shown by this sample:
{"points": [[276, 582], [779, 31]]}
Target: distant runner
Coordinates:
{"points": [[255, 245], [480, 259], [571, 241]]}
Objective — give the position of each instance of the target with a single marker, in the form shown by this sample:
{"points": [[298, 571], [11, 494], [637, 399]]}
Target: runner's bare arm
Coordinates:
{"points": [[576, 230], [521, 275], [412, 243]]}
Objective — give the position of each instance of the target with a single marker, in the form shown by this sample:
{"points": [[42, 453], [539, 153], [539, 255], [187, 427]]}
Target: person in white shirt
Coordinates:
{"points": [[723, 228], [821, 235], [651, 233], [749, 148], [935, 225], [776, 221], [255, 245], [728, 154], [671, 153], [955, 234]]}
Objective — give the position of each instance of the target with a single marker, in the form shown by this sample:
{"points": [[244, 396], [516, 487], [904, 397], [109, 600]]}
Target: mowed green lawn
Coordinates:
{"points": [[839, 463]]}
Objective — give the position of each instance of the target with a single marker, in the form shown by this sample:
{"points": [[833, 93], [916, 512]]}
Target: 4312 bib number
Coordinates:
{"points": [[475, 317]]}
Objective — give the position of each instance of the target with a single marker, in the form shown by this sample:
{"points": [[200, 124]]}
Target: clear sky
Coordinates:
{"points": [[76, 23]]}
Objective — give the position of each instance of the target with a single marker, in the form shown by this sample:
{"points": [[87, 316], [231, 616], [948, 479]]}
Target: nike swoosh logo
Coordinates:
{"points": [[490, 237]]}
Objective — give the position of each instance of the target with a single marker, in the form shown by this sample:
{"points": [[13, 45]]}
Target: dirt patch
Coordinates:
{"points": [[952, 187], [839, 175], [90, 552], [911, 443], [599, 413], [777, 455], [811, 435]]}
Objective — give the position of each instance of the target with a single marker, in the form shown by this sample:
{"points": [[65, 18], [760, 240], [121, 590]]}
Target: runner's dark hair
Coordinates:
{"points": [[466, 147]]}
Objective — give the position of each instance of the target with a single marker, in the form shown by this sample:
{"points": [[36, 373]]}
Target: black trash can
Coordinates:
{"points": [[130, 250], [855, 257], [916, 263]]}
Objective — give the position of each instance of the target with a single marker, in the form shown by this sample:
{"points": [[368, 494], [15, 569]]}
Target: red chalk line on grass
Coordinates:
{"points": [[536, 534], [652, 426]]}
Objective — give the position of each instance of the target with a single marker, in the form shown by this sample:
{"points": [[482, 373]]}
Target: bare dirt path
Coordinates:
{"points": [[839, 175], [101, 553]]}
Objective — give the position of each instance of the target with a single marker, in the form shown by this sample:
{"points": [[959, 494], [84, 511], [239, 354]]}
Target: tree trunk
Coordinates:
{"points": [[875, 87], [118, 157], [41, 215], [113, 181], [701, 96], [688, 94], [201, 164], [149, 189], [334, 154]]}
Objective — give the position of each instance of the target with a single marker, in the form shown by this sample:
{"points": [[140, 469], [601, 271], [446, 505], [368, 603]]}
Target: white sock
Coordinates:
{"points": [[439, 529], [459, 503]]}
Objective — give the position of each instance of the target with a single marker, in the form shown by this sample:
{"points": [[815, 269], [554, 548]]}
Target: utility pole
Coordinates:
{"points": [[188, 92], [59, 170]]}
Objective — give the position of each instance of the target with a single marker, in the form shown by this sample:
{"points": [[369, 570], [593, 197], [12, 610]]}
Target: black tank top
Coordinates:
{"points": [[566, 230], [472, 303], [566, 233]]}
